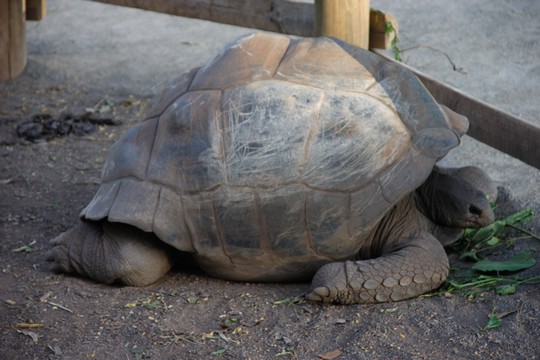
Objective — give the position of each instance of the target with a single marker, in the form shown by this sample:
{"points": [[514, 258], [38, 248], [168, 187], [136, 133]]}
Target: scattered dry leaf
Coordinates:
{"points": [[45, 297], [25, 248], [5, 181], [504, 314], [32, 334], [55, 349], [27, 326], [334, 354], [252, 323]]}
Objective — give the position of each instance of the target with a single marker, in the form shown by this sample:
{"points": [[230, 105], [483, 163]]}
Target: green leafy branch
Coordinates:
{"points": [[490, 275], [388, 30], [476, 243]]}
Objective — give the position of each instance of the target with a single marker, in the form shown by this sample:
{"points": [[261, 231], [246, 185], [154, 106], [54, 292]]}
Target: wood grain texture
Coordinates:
{"points": [[284, 16], [12, 39], [36, 9], [293, 17], [4, 40], [347, 20]]}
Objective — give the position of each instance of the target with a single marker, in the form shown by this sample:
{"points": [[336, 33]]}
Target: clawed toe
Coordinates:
{"points": [[318, 294], [329, 284], [57, 257], [56, 241], [51, 255]]}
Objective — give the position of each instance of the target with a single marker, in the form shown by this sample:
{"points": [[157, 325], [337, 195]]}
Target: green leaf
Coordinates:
{"points": [[388, 28], [506, 289], [219, 352], [285, 352], [28, 250], [291, 301], [489, 231], [520, 217], [494, 322], [518, 262], [390, 310], [470, 255], [151, 305], [139, 353], [469, 232], [493, 241]]}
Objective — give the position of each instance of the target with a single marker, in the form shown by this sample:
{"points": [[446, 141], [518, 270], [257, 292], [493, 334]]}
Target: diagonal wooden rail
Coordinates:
{"points": [[505, 132]]}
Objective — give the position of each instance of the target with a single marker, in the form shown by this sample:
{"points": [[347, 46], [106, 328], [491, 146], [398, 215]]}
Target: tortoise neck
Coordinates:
{"points": [[429, 201]]}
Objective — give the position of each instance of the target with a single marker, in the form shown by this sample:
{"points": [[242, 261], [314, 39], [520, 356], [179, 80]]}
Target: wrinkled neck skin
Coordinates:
{"points": [[449, 201], [401, 223], [432, 200], [444, 231]]}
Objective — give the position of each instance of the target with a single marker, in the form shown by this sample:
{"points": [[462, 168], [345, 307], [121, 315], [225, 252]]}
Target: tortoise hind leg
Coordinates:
{"points": [[109, 253], [419, 266]]}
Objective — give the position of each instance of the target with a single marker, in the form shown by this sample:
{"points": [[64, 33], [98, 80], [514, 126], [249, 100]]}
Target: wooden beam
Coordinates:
{"points": [[293, 17], [12, 39], [36, 9], [347, 20], [284, 16], [505, 132], [494, 127]]}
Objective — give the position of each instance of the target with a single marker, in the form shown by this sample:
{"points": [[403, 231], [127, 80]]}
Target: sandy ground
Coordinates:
{"points": [[90, 55]]}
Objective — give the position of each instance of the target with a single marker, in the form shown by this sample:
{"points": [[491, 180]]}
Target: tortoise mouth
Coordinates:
{"points": [[477, 217]]}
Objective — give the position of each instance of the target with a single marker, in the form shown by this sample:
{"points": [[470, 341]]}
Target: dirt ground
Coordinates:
{"points": [[74, 67]]}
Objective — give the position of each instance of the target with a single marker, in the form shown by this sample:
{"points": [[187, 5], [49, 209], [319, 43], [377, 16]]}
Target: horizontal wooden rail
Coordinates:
{"points": [[293, 17], [284, 16]]}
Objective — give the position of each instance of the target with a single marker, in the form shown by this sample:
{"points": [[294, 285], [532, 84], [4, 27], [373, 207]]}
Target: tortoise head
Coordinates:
{"points": [[459, 197]]}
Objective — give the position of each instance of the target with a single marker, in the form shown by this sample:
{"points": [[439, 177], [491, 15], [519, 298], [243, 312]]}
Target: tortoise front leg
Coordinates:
{"points": [[419, 266]]}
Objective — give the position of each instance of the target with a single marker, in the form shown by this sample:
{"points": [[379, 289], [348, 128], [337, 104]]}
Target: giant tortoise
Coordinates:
{"points": [[284, 159]]}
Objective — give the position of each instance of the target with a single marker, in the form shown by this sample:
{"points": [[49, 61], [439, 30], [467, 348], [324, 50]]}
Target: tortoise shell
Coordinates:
{"points": [[277, 156]]}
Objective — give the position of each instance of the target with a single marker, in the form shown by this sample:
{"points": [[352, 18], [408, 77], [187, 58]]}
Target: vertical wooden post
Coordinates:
{"points": [[36, 9], [12, 39], [347, 20]]}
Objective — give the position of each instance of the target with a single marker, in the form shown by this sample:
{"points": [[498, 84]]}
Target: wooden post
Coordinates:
{"points": [[379, 35], [36, 9], [12, 39], [347, 20]]}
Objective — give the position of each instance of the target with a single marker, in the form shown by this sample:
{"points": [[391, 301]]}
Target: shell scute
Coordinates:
{"points": [[250, 58], [185, 135]]}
